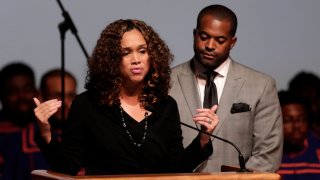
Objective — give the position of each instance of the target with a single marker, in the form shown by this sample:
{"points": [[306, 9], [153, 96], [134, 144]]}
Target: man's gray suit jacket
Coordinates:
{"points": [[258, 132]]}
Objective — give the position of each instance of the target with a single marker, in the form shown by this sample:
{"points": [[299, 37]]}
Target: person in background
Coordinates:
{"points": [[50, 88], [19, 154], [248, 104], [125, 123], [301, 150], [307, 85]]}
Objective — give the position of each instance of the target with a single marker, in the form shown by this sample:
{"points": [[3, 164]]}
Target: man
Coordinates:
{"points": [[307, 85], [50, 88], [18, 152], [17, 88], [301, 157], [248, 105]]}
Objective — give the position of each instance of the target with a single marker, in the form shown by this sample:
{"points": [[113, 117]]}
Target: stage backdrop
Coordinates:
{"points": [[279, 38]]}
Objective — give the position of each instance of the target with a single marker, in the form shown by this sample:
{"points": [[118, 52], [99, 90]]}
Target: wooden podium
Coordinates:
{"points": [[49, 175]]}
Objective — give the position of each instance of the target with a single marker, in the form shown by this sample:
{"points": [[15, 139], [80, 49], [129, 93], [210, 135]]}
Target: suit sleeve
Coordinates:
{"points": [[267, 133]]}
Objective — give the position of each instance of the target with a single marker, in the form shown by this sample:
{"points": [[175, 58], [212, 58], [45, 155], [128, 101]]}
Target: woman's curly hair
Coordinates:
{"points": [[103, 76]]}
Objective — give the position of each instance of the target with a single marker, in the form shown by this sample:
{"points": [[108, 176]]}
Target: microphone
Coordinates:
{"points": [[240, 157]]}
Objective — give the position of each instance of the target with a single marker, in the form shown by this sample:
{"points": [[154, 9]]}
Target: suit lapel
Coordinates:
{"points": [[232, 87], [189, 89]]}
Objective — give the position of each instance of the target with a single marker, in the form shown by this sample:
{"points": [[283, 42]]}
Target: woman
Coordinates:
{"points": [[125, 123]]}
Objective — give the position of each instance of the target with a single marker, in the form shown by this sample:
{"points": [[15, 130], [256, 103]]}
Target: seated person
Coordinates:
{"points": [[301, 157], [50, 88], [19, 154]]}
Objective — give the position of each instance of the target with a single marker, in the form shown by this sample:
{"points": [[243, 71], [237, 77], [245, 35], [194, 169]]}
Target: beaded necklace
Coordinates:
{"points": [[128, 132]]}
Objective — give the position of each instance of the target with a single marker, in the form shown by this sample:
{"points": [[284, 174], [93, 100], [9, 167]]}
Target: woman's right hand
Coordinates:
{"points": [[43, 112]]}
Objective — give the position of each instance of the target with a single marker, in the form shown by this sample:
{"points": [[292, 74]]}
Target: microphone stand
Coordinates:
{"points": [[63, 28], [240, 157]]}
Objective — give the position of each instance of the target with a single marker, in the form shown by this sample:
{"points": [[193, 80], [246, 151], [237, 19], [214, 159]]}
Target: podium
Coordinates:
{"points": [[50, 175]]}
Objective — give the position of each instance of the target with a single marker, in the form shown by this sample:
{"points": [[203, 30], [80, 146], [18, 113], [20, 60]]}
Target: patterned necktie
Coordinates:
{"points": [[210, 91]]}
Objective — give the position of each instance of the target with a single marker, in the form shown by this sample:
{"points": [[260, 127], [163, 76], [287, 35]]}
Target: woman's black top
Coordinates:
{"points": [[96, 140]]}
